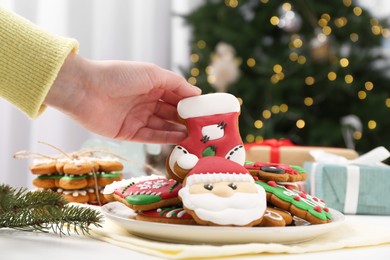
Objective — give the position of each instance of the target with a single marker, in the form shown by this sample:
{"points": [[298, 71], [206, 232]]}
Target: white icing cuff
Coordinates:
{"points": [[187, 161], [206, 105]]}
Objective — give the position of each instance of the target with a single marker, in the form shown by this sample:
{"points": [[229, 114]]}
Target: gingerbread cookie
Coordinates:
{"points": [[73, 182], [149, 194], [78, 196], [47, 181], [170, 215], [103, 178], [276, 172], [298, 203], [43, 166], [212, 124], [218, 191]]}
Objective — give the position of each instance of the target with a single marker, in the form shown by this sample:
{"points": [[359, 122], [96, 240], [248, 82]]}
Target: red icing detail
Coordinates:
{"points": [[159, 187], [326, 209], [315, 199], [297, 198], [289, 187], [323, 201], [272, 184], [256, 178], [318, 209], [303, 195], [223, 145]]}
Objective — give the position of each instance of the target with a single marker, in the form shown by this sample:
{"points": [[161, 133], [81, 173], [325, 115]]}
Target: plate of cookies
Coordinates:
{"points": [[212, 194], [218, 235]]}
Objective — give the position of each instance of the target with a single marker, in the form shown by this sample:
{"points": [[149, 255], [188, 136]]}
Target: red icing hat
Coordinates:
{"points": [[212, 169]]}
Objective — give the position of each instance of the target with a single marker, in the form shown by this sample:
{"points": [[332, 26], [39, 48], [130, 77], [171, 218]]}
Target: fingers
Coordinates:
{"points": [[178, 85], [147, 135], [167, 111]]}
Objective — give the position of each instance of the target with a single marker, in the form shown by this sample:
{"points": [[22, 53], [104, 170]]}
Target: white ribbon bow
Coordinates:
{"points": [[372, 158]]}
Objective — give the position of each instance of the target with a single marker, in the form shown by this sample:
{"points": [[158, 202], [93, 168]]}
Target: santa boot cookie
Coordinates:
{"points": [[212, 124]]}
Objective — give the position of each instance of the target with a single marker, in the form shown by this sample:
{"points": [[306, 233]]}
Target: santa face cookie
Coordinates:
{"points": [[212, 124], [218, 191], [149, 194]]}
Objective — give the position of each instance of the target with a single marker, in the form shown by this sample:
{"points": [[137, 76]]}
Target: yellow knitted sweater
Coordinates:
{"points": [[30, 59]]}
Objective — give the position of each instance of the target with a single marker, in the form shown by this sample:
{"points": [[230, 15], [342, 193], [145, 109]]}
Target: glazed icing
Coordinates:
{"points": [[149, 191], [110, 188], [167, 212], [299, 199]]}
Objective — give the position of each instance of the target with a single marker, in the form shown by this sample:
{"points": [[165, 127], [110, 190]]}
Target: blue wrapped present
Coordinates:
{"points": [[359, 186]]}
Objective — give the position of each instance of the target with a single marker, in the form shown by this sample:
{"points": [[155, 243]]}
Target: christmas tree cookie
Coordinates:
{"points": [[298, 203]]}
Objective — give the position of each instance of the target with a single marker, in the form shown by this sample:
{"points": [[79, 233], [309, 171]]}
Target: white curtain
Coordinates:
{"points": [[143, 30]]}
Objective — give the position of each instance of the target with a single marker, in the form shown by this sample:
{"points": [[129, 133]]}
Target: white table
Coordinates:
{"points": [[27, 245]]}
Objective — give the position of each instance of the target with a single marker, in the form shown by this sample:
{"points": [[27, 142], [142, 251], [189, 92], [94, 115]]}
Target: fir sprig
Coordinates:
{"points": [[43, 211]]}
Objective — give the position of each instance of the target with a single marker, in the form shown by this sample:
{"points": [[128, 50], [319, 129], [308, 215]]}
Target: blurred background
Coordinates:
{"points": [[314, 72]]}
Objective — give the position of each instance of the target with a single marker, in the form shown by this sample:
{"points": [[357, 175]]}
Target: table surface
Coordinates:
{"points": [[24, 245]]}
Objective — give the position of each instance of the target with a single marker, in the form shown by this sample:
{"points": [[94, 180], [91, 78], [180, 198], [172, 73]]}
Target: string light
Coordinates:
{"points": [[211, 79], [368, 85], [201, 44], [357, 11], [293, 56], [250, 138], [386, 33], [322, 22], [376, 29], [372, 124], [387, 102], [208, 69], [332, 76], [283, 108], [325, 16], [240, 100], [259, 139], [300, 123], [286, 6], [354, 37], [194, 58], [274, 20], [327, 30], [266, 114], [195, 72], [264, 1], [362, 94], [301, 59], [341, 22], [348, 78], [277, 68], [258, 124], [344, 62], [357, 135], [308, 101], [275, 109], [347, 3], [192, 80], [309, 80], [251, 62], [231, 3]]}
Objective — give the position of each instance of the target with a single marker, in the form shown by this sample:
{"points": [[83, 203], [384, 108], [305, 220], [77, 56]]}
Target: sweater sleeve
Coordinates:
{"points": [[30, 59]]}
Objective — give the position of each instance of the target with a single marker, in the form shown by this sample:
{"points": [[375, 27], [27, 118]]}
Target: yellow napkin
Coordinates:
{"points": [[352, 233]]}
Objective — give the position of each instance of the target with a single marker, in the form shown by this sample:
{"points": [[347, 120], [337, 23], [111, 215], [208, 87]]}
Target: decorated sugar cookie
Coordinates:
{"points": [[212, 124], [298, 203], [276, 172], [149, 194], [218, 191], [171, 215]]}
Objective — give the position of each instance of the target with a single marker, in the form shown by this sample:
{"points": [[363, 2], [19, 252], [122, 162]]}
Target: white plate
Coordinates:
{"points": [[192, 234]]}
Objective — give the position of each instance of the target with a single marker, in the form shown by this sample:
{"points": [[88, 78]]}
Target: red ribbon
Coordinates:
{"points": [[275, 145]]}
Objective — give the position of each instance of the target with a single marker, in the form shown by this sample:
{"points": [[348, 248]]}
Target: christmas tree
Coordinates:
{"points": [[310, 71]]}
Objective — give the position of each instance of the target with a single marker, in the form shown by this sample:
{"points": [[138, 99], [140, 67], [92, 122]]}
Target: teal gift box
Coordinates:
{"points": [[351, 189]]}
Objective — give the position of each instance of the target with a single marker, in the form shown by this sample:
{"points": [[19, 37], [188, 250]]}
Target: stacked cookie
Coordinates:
{"points": [[79, 179]]}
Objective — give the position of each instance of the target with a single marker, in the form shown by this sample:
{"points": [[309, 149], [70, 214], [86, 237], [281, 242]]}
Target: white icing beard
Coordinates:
{"points": [[239, 209]]}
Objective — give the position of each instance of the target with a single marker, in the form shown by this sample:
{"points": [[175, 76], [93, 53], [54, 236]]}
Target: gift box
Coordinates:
{"points": [[284, 151], [352, 186]]}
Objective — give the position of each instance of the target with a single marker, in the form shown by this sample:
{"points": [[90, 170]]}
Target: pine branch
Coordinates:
{"points": [[43, 211]]}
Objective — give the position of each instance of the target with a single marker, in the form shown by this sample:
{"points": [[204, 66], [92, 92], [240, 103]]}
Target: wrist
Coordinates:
{"points": [[68, 88]]}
